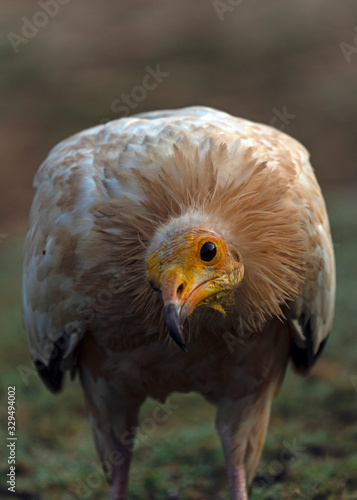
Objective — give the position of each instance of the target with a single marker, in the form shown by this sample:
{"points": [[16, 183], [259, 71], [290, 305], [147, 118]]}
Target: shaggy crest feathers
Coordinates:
{"points": [[253, 210]]}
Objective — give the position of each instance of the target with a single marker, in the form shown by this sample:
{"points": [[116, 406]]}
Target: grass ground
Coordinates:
{"points": [[311, 449]]}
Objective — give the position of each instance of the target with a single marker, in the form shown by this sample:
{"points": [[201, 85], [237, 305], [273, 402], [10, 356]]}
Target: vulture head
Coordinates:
{"points": [[190, 268]]}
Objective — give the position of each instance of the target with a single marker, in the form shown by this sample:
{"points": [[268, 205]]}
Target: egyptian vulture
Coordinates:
{"points": [[187, 228]]}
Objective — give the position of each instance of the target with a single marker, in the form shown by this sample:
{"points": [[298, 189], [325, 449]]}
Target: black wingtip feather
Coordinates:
{"points": [[52, 375], [51, 379], [304, 358]]}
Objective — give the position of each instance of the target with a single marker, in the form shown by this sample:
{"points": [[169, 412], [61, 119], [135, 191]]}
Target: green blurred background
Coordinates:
{"points": [[258, 60]]}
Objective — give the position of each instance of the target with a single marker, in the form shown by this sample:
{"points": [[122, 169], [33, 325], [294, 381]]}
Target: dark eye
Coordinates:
{"points": [[208, 251]]}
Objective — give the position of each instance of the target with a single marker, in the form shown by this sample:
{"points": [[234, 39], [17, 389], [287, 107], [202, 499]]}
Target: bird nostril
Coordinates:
{"points": [[179, 290]]}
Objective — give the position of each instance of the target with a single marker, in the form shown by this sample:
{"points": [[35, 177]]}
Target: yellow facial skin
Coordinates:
{"points": [[186, 281]]}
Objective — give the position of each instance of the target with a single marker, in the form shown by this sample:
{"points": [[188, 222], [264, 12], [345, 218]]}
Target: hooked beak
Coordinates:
{"points": [[180, 299], [174, 323]]}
